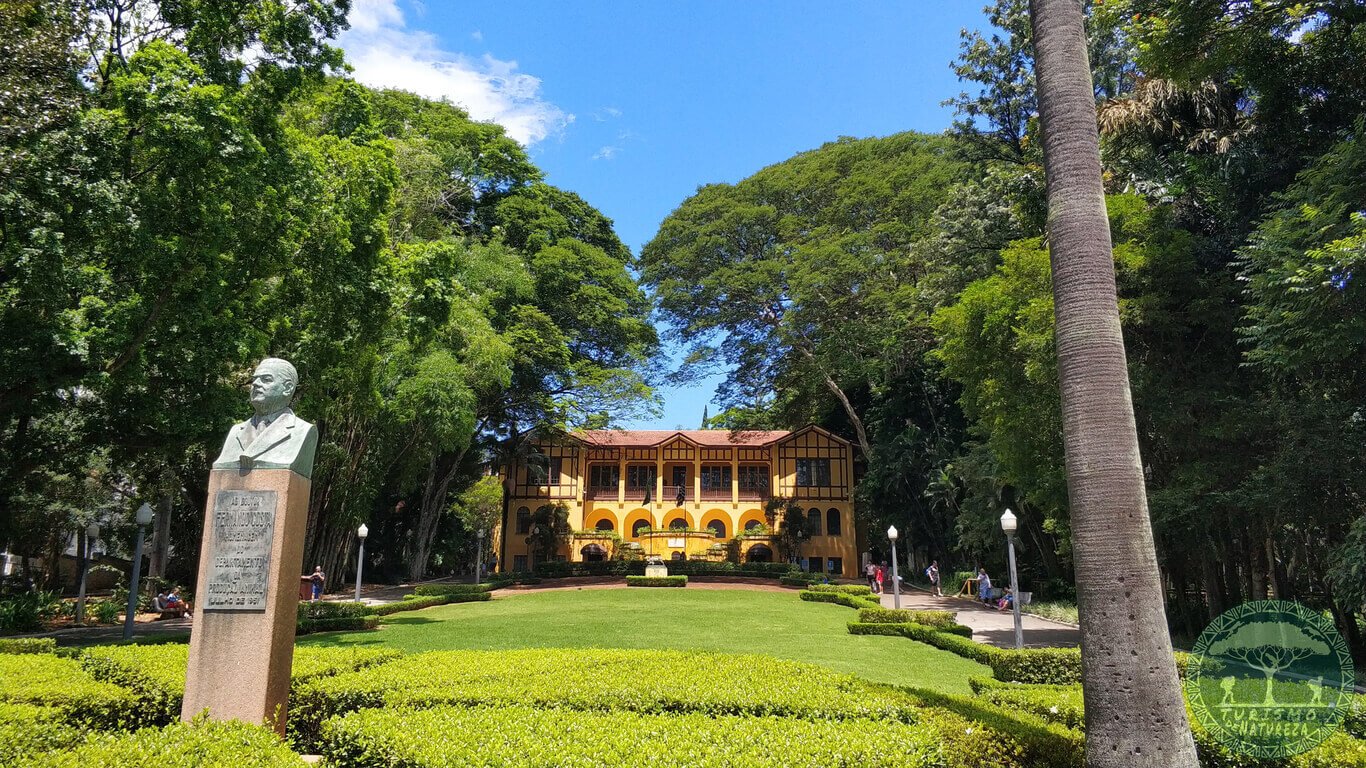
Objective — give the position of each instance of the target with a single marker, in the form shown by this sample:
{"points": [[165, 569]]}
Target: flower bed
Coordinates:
{"points": [[656, 581]]}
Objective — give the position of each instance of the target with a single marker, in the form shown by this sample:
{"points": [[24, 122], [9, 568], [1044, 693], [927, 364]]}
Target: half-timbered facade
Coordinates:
{"points": [[685, 494]]}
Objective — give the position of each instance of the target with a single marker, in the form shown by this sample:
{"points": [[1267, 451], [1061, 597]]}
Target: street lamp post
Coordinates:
{"points": [[362, 532], [479, 556], [896, 580], [92, 532], [142, 517], [1009, 524]]}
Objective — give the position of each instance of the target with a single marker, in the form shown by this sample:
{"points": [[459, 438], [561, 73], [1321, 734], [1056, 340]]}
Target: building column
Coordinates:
{"points": [[621, 477]]}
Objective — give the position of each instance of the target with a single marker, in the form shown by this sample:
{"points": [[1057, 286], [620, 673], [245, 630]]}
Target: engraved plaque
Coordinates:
{"points": [[243, 530]]}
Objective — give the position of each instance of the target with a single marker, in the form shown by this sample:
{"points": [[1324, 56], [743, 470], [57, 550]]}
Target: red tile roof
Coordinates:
{"points": [[711, 438]]}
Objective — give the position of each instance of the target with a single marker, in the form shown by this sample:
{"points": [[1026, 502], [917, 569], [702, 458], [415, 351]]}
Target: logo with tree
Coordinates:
{"points": [[1270, 679]]}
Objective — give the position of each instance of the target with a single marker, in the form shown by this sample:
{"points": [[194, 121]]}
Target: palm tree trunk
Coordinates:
{"points": [[1135, 716]]}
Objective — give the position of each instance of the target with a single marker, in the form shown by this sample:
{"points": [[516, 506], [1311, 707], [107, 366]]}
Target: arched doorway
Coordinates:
{"points": [[638, 526], [759, 553], [593, 553], [717, 528], [605, 524]]}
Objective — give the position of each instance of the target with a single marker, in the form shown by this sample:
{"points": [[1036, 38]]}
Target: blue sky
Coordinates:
{"points": [[633, 105]]}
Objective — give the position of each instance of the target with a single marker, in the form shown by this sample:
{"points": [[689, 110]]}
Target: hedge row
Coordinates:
{"points": [[843, 589], [447, 590], [1060, 706], [557, 570], [27, 730], [799, 581], [28, 645], [46, 680], [839, 598], [623, 680], [904, 616], [448, 737], [200, 745], [154, 675], [656, 581]]}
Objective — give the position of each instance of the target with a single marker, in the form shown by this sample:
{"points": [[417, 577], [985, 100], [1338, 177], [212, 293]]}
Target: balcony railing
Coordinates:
{"points": [[670, 494], [716, 494], [602, 492], [753, 494]]}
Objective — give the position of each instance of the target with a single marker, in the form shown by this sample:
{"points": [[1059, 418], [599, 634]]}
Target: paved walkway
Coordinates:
{"points": [[989, 625]]}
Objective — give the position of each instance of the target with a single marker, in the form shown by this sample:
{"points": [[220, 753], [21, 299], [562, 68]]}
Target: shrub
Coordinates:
{"points": [[839, 598], [28, 645], [27, 731], [656, 581], [182, 745], [443, 590], [344, 623], [883, 616], [1050, 666], [1037, 743], [46, 680], [155, 675], [331, 610], [658, 681], [407, 604], [1061, 704], [799, 581], [844, 589], [936, 618], [448, 737], [26, 611]]}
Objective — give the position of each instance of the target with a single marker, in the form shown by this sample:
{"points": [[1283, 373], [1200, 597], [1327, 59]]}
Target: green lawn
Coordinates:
{"points": [[731, 621]]}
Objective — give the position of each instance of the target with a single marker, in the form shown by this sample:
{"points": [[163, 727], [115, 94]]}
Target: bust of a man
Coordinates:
{"points": [[274, 438]]}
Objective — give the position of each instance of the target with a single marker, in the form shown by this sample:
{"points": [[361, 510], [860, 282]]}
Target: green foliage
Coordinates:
{"points": [[155, 674], [28, 645], [448, 737], [656, 581], [883, 616], [182, 745], [27, 731], [718, 684], [839, 598], [48, 681], [445, 590], [26, 611], [857, 590]]}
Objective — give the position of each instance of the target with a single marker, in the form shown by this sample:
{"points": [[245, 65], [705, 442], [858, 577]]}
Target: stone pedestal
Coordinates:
{"points": [[656, 571], [247, 596]]}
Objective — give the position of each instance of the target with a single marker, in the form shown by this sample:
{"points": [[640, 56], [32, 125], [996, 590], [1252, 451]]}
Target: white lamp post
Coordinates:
{"points": [[896, 580], [92, 532], [143, 516], [479, 556], [1009, 524], [362, 532]]}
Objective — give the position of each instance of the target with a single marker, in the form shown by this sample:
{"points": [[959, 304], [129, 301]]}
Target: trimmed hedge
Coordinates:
{"points": [[839, 598], [560, 570], [155, 674], [446, 590], [798, 581], [448, 737], [656, 581], [406, 604], [46, 680], [341, 623], [27, 731], [618, 680], [1039, 744], [183, 745], [844, 589], [28, 645]]}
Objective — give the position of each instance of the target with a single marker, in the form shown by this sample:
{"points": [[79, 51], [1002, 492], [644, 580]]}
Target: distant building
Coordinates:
{"points": [[628, 484]]}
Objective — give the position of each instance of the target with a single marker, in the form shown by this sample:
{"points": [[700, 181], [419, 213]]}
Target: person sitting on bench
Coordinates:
{"points": [[170, 606]]}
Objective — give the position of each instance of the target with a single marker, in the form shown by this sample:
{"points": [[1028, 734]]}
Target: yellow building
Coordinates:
{"points": [[685, 494]]}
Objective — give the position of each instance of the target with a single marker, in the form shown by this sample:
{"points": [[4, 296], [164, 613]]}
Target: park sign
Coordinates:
{"points": [[1270, 679]]}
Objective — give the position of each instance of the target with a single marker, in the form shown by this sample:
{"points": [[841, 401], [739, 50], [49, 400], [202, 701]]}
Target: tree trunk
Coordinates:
{"points": [[441, 471], [161, 539], [1135, 714]]}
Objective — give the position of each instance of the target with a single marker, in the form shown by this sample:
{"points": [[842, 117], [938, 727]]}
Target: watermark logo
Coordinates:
{"points": [[1270, 679]]}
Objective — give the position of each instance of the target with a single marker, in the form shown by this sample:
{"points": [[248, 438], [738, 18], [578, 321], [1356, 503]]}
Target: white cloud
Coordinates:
{"points": [[477, 36], [386, 54], [606, 153]]}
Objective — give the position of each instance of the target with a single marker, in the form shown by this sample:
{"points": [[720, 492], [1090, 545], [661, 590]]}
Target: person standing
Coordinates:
{"points": [[933, 573], [870, 572], [317, 579], [983, 586], [881, 571]]}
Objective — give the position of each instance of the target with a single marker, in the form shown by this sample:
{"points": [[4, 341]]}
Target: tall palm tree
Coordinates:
{"points": [[1135, 716]]}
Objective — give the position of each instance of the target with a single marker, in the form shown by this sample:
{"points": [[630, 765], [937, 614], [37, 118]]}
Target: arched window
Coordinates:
{"points": [[759, 553], [717, 528], [593, 553], [606, 525], [753, 525], [523, 520], [678, 556], [813, 522], [639, 526], [832, 522], [678, 524]]}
